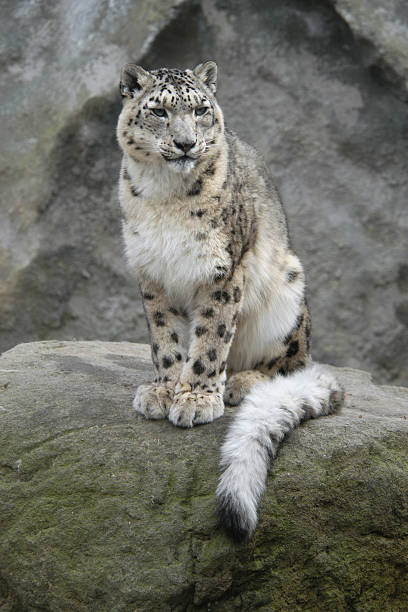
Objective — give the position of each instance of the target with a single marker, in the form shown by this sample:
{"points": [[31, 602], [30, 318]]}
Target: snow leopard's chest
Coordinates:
{"points": [[172, 249]]}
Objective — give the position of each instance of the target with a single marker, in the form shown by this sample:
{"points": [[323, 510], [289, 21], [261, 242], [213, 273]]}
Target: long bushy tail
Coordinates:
{"points": [[267, 414]]}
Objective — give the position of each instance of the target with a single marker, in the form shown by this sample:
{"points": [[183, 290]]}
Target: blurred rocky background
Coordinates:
{"points": [[319, 87]]}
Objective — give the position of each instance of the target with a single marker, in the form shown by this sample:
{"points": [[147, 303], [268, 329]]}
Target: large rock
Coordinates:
{"points": [[102, 510], [313, 95]]}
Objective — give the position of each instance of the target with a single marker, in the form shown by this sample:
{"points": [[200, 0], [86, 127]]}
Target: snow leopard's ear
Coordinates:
{"points": [[207, 73], [133, 79]]}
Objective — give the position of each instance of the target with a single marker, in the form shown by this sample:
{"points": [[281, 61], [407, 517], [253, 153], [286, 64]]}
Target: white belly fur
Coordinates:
{"points": [[171, 255], [270, 307]]}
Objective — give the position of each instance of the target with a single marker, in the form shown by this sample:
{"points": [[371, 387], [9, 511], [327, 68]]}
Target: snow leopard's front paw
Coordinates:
{"points": [[190, 408], [154, 400]]}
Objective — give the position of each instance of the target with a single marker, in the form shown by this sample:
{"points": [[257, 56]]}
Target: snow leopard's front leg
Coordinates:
{"points": [[199, 392], [167, 326]]}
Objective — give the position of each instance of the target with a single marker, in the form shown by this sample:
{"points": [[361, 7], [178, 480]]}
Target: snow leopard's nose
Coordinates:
{"points": [[184, 146]]}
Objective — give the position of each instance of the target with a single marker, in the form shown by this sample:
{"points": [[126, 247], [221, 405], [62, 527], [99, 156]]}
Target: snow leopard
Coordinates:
{"points": [[223, 292]]}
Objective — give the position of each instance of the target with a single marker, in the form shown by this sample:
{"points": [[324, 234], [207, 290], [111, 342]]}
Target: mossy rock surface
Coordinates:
{"points": [[102, 510]]}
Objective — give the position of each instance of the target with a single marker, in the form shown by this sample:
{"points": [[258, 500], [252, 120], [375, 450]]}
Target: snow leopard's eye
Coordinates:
{"points": [[159, 112], [200, 111]]}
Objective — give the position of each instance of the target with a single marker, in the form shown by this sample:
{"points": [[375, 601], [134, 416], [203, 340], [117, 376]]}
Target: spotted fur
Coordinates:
{"points": [[222, 290]]}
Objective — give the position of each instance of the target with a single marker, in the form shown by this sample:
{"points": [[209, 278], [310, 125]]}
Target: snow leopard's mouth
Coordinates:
{"points": [[183, 164], [182, 158]]}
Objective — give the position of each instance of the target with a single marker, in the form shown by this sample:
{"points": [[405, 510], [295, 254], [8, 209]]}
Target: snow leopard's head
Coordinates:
{"points": [[170, 116]]}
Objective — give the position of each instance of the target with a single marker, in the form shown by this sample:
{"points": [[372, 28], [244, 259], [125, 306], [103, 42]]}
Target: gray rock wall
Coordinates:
{"points": [[61, 266], [319, 88]]}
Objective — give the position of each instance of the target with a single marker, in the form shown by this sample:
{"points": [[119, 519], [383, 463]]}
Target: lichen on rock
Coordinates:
{"points": [[103, 510]]}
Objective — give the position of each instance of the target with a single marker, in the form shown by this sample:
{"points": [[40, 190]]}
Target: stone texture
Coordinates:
{"points": [[324, 104], [383, 27], [61, 266], [101, 510]]}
